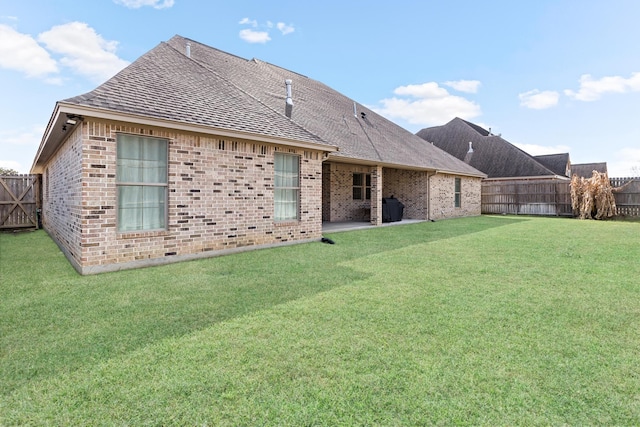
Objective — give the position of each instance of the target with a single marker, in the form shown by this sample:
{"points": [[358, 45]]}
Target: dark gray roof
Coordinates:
{"points": [[585, 170], [492, 155], [558, 163], [217, 89]]}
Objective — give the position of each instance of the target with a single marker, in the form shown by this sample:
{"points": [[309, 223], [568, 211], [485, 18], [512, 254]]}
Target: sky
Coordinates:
{"points": [[549, 76]]}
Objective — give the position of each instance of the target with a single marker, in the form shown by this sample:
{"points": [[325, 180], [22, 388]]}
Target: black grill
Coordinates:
{"points": [[392, 209]]}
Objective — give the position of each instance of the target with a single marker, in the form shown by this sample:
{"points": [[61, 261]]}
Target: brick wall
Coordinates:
{"points": [[442, 201], [220, 197], [411, 188], [339, 204], [61, 201]]}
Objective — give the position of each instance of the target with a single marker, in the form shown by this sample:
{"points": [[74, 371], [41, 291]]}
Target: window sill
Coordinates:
{"points": [[141, 234]]}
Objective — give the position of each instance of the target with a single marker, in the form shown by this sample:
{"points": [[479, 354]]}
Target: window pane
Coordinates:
{"points": [[357, 179], [141, 159], [286, 204], [141, 207], [368, 180], [357, 193], [286, 170], [287, 183]]}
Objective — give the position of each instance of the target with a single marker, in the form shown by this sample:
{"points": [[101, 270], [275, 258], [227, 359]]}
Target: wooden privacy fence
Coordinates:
{"points": [[550, 196], [527, 197], [19, 201], [627, 195]]}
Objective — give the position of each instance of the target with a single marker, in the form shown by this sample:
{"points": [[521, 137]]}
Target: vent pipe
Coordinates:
{"points": [[355, 110], [288, 109], [469, 155], [188, 50]]}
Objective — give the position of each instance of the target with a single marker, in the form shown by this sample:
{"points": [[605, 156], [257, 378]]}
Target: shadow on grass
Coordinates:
{"points": [[54, 320], [374, 240]]}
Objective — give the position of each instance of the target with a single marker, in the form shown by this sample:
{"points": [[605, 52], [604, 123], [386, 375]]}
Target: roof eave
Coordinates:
{"points": [[352, 160], [54, 136]]}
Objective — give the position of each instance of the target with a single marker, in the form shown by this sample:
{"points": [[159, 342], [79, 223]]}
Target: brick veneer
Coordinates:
{"points": [[61, 198], [409, 186], [442, 200], [220, 198]]}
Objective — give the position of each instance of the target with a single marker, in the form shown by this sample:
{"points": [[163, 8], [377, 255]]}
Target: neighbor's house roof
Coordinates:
{"points": [[559, 163], [491, 154], [216, 92], [585, 170]]}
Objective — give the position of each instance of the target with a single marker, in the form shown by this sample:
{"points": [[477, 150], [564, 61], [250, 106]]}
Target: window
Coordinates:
{"points": [[287, 187], [141, 180], [361, 186], [458, 193]]}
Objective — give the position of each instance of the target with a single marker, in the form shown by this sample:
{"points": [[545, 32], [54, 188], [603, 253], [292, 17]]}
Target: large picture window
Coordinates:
{"points": [[287, 187], [141, 179]]}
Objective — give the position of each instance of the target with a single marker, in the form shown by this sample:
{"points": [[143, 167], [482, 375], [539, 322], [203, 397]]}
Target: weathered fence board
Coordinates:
{"points": [[551, 197], [19, 201], [627, 195], [526, 197]]}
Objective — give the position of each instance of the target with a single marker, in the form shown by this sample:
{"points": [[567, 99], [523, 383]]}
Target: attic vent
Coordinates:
{"points": [[188, 50], [470, 147], [364, 115]]}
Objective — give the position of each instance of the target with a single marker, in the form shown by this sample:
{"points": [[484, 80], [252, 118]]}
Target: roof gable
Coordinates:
{"points": [[491, 153]]}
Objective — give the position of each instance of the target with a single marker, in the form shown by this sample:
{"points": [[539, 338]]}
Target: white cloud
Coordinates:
{"points": [[22, 53], [539, 100], [284, 28], [83, 50], [136, 4], [626, 162], [429, 104], [467, 86], [539, 150], [251, 36], [593, 89], [255, 36], [247, 21]]}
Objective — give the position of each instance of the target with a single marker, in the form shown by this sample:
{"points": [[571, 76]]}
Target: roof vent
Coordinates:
{"points": [[364, 115], [355, 111], [288, 109], [469, 155], [188, 50]]}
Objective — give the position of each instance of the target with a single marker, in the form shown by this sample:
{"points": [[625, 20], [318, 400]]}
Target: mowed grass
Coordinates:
{"points": [[476, 321]]}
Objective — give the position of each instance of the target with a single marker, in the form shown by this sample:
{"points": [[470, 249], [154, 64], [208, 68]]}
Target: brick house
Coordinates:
{"points": [[192, 152]]}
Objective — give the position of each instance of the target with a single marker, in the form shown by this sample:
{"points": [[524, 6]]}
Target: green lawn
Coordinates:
{"points": [[477, 321]]}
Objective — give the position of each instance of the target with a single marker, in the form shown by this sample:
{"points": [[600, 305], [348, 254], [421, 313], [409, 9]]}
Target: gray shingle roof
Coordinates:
{"points": [[557, 163], [585, 170], [492, 155], [215, 88]]}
